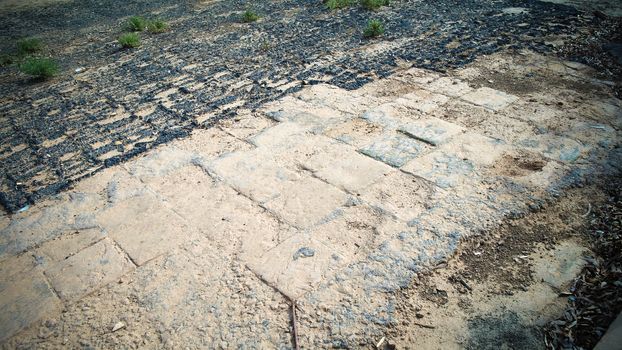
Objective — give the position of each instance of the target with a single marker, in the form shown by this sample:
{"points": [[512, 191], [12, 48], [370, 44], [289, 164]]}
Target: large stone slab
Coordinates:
{"points": [[401, 194], [448, 86], [342, 166], [394, 148], [24, 302], [297, 265], [223, 215], [490, 98], [144, 227], [422, 100], [254, 173], [431, 130], [306, 202], [89, 269]]}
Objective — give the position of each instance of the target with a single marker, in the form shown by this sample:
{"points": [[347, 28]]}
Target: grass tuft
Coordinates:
{"points": [[129, 40], [41, 68], [249, 16], [374, 4], [136, 24], [374, 28], [28, 46], [157, 26], [337, 4]]}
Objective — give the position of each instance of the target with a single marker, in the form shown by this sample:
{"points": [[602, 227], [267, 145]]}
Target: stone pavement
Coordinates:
{"points": [[328, 197]]}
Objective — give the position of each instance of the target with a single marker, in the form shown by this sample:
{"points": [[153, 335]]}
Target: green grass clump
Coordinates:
{"points": [[249, 16], [337, 4], [129, 40], [29, 46], [41, 68], [136, 24], [157, 26], [374, 28], [374, 4]]}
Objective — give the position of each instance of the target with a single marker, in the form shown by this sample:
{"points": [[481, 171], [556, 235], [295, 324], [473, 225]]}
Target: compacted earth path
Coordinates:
{"points": [[439, 203]]}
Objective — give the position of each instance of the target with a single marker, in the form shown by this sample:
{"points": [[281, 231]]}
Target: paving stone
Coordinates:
{"points": [[400, 194], [422, 100], [210, 143], [342, 166], [89, 269], [390, 116], [394, 149], [458, 161], [314, 118], [448, 86], [431, 130], [336, 98], [297, 265], [559, 271], [144, 228], [490, 98], [306, 202], [388, 89], [68, 244], [69, 211], [282, 134], [24, 302], [254, 173], [161, 162], [464, 114], [222, 214], [15, 267], [351, 231], [246, 124], [356, 132], [416, 75], [555, 147]]}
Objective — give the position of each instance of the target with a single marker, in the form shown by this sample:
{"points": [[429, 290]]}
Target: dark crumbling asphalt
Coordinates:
{"points": [[54, 133]]}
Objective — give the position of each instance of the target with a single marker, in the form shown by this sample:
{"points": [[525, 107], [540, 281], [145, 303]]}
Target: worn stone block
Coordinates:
{"points": [[144, 227], [25, 302], [390, 116], [87, 270], [342, 166], [68, 244], [403, 195], [306, 202], [422, 100], [356, 132], [297, 265], [490, 98], [394, 149], [448, 86], [206, 144], [315, 118], [223, 215], [254, 173], [336, 98], [555, 147], [246, 124], [431, 130]]}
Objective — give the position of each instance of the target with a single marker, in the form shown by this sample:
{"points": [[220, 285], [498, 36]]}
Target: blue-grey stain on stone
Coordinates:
{"points": [[304, 252], [394, 149]]}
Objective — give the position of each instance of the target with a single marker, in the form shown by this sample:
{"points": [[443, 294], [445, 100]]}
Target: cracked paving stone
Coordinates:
{"points": [[87, 270], [144, 227], [343, 167]]}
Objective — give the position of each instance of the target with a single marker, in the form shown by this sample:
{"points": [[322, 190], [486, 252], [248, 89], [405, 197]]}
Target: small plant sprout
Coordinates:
{"points": [[28, 46], [374, 29], [157, 26], [129, 40], [337, 4], [374, 4], [136, 24], [41, 68], [249, 16]]}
